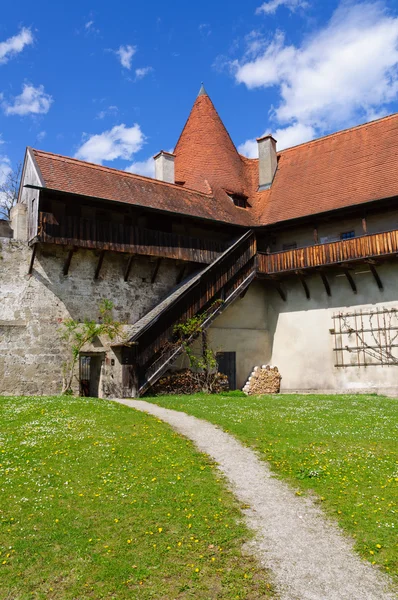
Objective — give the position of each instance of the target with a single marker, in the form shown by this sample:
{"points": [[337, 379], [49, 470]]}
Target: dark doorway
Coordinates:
{"points": [[227, 366], [90, 372]]}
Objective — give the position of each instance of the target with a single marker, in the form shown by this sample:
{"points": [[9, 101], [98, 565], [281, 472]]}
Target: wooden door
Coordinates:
{"points": [[227, 366]]}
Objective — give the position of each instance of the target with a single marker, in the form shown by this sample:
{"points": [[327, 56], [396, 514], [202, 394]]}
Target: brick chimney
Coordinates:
{"points": [[267, 161], [164, 166]]}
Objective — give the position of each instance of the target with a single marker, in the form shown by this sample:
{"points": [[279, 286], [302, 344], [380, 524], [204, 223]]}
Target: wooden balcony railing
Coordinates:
{"points": [[213, 289], [320, 255], [88, 233]]}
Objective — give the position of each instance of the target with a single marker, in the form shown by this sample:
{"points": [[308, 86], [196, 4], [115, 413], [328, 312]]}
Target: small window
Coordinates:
{"points": [[347, 235], [239, 200], [291, 246]]}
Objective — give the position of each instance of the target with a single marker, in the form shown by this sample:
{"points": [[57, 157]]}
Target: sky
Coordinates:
{"points": [[113, 83]]}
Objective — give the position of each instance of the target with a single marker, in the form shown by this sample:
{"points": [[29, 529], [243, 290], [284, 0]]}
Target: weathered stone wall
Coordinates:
{"points": [[33, 307], [261, 328]]}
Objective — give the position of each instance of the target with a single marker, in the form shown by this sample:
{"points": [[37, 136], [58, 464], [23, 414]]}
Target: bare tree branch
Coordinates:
{"points": [[9, 191]]}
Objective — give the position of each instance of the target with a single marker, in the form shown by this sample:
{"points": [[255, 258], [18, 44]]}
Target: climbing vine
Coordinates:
{"points": [[76, 334]]}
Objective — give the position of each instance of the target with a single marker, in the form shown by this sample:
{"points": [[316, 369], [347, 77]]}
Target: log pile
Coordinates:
{"points": [[187, 382], [263, 380]]}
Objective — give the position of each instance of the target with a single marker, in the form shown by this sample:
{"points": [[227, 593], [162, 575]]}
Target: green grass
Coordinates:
{"points": [[343, 448], [100, 501]]}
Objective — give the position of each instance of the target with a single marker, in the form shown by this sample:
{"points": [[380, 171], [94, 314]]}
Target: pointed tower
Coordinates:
{"points": [[205, 154]]}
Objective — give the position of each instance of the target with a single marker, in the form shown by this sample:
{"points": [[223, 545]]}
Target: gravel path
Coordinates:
{"points": [[309, 557]]}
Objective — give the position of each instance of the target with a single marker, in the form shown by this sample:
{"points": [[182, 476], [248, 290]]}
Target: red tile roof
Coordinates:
{"points": [[65, 174], [205, 154], [347, 168]]}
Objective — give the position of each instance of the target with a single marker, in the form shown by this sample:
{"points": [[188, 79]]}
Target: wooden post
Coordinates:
{"points": [[376, 276], [65, 269], [128, 267], [155, 271], [326, 283], [350, 280], [32, 259], [99, 265], [305, 286]]}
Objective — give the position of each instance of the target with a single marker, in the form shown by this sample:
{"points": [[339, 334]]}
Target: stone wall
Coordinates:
{"points": [[32, 309]]}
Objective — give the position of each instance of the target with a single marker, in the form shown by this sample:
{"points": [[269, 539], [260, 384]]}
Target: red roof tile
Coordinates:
{"points": [[348, 168], [344, 169], [205, 152], [78, 177]]}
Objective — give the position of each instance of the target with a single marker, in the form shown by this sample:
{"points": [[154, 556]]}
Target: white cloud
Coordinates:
{"points": [[31, 101], [286, 137], [15, 44], [41, 135], [118, 142], [111, 110], [89, 24], [344, 73], [142, 72], [143, 167], [125, 54], [249, 148], [204, 29], [272, 6]]}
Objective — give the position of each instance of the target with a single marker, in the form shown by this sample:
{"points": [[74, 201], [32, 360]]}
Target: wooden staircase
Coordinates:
{"points": [[150, 350]]}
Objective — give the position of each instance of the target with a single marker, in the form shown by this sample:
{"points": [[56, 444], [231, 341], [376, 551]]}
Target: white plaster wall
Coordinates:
{"points": [[302, 344], [243, 329]]}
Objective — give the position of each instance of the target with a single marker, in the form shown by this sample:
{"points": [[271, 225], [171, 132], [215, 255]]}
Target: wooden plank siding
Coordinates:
{"points": [[100, 235], [227, 272], [332, 253]]}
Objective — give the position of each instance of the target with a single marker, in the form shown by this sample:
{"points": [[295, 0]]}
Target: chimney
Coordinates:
{"points": [[164, 166], [267, 161]]}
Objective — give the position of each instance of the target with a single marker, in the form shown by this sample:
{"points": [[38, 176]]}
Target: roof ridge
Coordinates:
{"points": [[340, 132], [328, 135], [118, 171]]}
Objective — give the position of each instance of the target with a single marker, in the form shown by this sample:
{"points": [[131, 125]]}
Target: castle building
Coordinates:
{"points": [[292, 257]]}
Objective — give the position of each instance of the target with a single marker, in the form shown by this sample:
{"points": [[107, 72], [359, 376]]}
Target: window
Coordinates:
{"points": [[347, 235], [239, 200], [291, 246]]}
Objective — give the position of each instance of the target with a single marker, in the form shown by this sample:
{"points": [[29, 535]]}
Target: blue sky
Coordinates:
{"points": [[114, 82]]}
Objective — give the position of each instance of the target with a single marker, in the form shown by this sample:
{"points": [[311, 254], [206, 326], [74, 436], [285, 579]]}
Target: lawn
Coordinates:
{"points": [[342, 448], [100, 501]]}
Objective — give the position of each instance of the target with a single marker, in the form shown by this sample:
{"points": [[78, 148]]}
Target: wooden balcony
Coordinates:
{"points": [[88, 233], [334, 253]]}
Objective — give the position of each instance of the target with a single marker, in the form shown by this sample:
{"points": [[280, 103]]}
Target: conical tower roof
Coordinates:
{"points": [[205, 154]]}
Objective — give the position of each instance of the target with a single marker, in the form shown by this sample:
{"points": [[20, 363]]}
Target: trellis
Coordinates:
{"points": [[365, 338]]}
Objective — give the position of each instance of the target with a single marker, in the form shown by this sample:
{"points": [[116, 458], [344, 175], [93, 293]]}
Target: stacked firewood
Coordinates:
{"points": [[187, 382], [263, 380]]}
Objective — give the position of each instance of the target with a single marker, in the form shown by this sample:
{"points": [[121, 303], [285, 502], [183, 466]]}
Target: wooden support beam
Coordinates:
{"points": [[180, 275], [376, 276], [68, 259], [280, 290], [155, 271], [326, 283], [350, 280], [305, 286], [99, 264], [32, 259], [316, 236], [128, 267], [364, 224], [243, 294]]}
